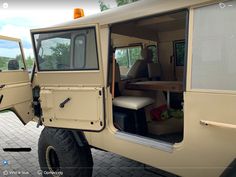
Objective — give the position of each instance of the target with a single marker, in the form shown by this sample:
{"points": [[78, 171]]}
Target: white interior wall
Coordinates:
{"points": [[165, 45], [122, 40]]}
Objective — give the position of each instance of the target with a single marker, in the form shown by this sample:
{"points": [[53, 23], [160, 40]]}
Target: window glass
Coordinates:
{"points": [[214, 47], [80, 51], [179, 52], [154, 53], [127, 56], [55, 54], [10, 56], [67, 50]]}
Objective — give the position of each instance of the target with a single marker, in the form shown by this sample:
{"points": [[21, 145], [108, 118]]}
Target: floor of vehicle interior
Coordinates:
{"points": [[170, 138]]}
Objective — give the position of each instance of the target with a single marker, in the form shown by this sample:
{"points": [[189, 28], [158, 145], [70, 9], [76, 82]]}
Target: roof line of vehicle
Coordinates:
{"points": [[142, 8]]}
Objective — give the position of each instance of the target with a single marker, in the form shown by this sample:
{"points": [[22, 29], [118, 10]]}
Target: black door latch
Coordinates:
{"points": [[62, 105], [1, 86], [1, 97]]}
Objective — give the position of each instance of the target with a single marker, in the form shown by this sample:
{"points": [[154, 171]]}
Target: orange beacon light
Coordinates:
{"points": [[78, 13]]}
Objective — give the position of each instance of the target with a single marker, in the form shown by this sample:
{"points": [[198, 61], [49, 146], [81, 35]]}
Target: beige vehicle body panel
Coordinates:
{"points": [[74, 115], [85, 110], [206, 150], [16, 90]]}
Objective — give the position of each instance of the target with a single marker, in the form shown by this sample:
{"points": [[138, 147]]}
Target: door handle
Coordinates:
{"points": [[1, 86], [1, 98], [62, 104], [217, 124]]}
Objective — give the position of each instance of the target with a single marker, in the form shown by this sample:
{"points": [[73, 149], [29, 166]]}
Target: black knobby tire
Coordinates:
{"points": [[59, 152]]}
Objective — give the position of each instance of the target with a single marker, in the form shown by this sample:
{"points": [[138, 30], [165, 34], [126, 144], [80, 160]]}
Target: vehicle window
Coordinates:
{"points": [[179, 52], [10, 56], [126, 57], [214, 47], [80, 42], [67, 50], [154, 53], [55, 54]]}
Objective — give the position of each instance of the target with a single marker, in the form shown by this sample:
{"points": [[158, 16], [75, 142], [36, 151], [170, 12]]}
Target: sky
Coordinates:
{"points": [[17, 17]]}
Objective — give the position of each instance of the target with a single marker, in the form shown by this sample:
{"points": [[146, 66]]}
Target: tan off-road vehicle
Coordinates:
{"points": [[154, 81]]}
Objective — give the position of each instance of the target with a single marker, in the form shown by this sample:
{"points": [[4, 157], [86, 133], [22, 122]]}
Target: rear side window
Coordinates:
{"points": [[66, 50], [214, 47], [179, 52], [10, 56], [127, 56]]}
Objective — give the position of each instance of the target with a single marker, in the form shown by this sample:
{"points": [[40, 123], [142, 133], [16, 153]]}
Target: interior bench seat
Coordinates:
{"points": [[132, 102]]}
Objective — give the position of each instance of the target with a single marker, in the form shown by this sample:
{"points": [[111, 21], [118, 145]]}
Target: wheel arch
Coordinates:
{"points": [[80, 138]]}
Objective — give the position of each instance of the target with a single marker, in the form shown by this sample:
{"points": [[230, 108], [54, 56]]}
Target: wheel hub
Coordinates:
{"points": [[52, 159]]}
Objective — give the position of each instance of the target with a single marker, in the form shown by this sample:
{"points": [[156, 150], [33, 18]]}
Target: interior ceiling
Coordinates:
{"points": [[150, 27]]}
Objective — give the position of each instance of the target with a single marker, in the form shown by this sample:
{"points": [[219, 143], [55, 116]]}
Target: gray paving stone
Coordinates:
{"points": [[14, 134]]}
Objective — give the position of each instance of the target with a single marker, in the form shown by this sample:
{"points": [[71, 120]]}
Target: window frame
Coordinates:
{"points": [[72, 47]]}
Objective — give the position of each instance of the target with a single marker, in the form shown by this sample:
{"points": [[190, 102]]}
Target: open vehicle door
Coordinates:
{"points": [[70, 77], [15, 85]]}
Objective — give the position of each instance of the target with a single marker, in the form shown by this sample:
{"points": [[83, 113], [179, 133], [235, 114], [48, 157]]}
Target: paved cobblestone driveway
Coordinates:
{"points": [[13, 135]]}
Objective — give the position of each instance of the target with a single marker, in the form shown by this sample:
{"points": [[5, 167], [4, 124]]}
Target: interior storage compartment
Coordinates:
{"points": [[132, 121]]}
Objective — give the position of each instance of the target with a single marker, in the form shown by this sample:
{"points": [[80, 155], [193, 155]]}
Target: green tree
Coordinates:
{"points": [[134, 55], [122, 57], [5, 60], [59, 57], [124, 2], [3, 63], [61, 53], [103, 6], [20, 61], [29, 62]]}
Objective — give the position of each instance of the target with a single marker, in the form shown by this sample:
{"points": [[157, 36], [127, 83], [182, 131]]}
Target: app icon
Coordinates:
{"points": [[222, 5], [40, 172], [5, 162], [5, 173], [5, 5]]}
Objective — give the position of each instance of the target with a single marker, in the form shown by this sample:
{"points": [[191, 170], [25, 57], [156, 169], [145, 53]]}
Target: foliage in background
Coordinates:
{"points": [[179, 50], [61, 54], [104, 6], [154, 53], [123, 2], [127, 56], [4, 62], [58, 58], [29, 62]]}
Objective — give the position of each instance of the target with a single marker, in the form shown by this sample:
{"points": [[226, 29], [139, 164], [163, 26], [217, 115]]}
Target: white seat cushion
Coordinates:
{"points": [[132, 102]]}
